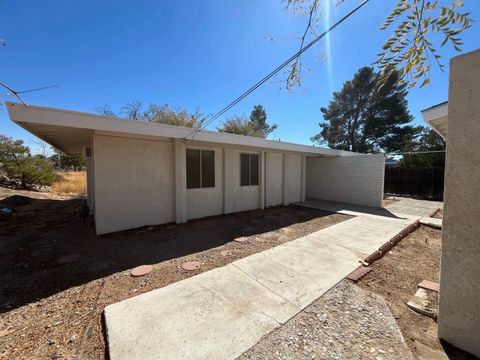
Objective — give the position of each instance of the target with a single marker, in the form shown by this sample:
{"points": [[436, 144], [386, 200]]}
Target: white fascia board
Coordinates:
{"points": [[436, 113], [59, 117]]}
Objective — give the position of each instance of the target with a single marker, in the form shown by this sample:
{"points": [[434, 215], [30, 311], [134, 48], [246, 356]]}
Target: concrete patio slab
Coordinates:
{"points": [[357, 210], [432, 222], [215, 315], [402, 211], [295, 274], [223, 312]]}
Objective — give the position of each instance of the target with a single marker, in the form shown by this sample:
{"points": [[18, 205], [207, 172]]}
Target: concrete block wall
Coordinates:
{"points": [[348, 179], [459, 308]]}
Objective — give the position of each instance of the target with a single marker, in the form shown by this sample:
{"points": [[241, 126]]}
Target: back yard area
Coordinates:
{"points": [[58, 276]]}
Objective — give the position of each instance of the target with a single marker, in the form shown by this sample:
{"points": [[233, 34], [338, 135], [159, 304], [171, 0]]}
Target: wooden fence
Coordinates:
{"points": [[423, 183]]}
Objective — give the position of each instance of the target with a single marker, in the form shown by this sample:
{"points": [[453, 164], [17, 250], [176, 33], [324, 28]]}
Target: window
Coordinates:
{"points": [[200, 169], [248, 169]]}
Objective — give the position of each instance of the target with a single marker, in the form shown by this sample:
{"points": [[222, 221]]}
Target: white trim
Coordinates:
{"points": [[59, 117], [434, 114]]}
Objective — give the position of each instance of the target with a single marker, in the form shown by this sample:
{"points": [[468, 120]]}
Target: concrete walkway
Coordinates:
{"points": [[223, 312]]}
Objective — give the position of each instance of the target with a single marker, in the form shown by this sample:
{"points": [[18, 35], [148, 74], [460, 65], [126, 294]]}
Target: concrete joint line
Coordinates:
{"points": [[266, 287]]}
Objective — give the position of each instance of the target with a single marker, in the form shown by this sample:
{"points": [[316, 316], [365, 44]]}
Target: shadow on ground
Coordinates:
{"points": [[45, 248]]}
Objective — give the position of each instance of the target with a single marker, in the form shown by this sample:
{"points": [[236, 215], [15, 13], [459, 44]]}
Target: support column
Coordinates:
{"points": [[303, 178], [284, 180], [229, 180], [180, 164], [261, 182]]}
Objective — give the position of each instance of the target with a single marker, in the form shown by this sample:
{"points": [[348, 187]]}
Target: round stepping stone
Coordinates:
{"points": [[191, 265], [141, 270], [68, 259], [226, 252], [241, 239]]}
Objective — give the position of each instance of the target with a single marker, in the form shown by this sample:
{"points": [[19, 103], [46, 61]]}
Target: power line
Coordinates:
{"points": [[417, 152], [277, 69], [17, 93]]}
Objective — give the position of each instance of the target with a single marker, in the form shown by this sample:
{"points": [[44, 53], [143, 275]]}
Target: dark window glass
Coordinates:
{"points": [[244, 169], [208, 168], [193, 169], [200, 168], [248, 169], [253, 169]]}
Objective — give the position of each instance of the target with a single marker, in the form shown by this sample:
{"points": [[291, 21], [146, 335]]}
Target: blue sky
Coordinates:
{"points": [[192, 54]]}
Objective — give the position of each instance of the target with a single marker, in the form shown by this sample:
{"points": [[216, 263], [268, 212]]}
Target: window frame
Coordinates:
{"points": [[250, 175], [200, 169]]}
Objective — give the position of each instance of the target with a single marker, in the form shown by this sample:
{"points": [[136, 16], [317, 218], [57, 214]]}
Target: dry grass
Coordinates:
{"points": [[74, 182]]}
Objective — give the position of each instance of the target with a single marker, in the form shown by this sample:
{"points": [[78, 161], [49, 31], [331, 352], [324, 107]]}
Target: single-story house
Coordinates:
{"points": [[141, 173]]}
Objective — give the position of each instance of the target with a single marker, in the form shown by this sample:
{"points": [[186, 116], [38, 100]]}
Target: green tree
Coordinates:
{"points": [[428, 151], [18, 164], [163, 114], [419, 28], [368, 115], [258, 121], [166, 114], [62, 161], [255, 126], [239, 125]]}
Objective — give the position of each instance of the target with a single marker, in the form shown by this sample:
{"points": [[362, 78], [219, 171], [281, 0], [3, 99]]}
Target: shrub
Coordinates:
{"points": [[19, 164]]}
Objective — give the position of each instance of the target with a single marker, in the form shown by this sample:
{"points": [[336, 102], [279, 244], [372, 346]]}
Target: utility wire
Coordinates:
{"points": [[276, 70], [417, 152], [14, 93], [17, 93]]}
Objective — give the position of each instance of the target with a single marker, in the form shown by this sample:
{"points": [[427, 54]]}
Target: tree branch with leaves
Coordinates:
{"points": [[411, 48]]}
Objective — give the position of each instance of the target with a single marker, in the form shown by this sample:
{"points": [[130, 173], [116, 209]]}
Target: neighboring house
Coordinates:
{"points": [[141, 173], [458, 122]]}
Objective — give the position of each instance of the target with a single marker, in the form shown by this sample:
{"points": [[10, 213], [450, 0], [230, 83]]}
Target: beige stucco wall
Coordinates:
{"points": [[459, 309], [134, 183], [350, 179], [273, 179], [238, 198], [293, 178], [207, 201]]}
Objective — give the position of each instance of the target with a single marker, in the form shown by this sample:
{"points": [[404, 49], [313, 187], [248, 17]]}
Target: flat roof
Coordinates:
{"points": [[437, 118], [70, 131]]}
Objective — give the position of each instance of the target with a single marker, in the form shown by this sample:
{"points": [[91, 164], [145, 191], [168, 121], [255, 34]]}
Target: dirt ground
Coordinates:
{"points": [[57, 275], [396, 276]]}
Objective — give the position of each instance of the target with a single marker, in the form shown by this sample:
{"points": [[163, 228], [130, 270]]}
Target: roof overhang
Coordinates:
{"points": [[437, 118], [69, 131]]}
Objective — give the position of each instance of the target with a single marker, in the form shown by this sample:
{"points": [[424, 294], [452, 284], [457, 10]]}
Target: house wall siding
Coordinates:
{"points": [[142, 181], [204, 202], [134, 183], [350, 179], [292, 179], [273, 179]]}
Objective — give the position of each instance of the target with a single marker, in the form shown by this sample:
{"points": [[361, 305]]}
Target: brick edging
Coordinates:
{"points": [[389, 245]]}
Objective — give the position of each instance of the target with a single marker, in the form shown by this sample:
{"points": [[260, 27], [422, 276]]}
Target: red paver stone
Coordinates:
{"points": [[192, 265], [358, 273], [141, 270], [429, 285]]}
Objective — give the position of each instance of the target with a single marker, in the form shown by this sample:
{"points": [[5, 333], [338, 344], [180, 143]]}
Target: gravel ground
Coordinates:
{"points": [[346, 323]]}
